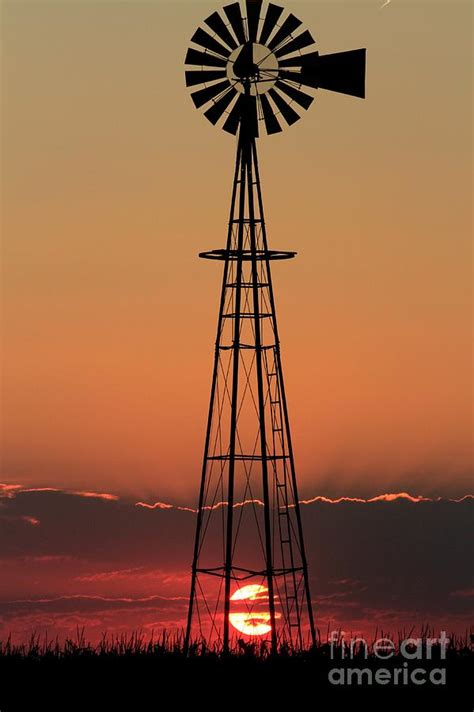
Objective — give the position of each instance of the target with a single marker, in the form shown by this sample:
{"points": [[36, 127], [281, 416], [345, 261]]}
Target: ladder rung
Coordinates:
{"points": [[245, 221], [247, 285], [247, 315]]}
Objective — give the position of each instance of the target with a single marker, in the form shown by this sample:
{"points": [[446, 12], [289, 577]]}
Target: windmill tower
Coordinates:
{"points": [[249, 569]]}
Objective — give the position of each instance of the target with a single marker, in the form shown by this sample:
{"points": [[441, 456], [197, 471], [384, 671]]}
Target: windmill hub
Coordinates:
{"points": [[252, 64], [244, 66]]}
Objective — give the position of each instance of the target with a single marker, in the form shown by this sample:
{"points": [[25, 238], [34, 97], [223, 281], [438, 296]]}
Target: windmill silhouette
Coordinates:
{"points": [[249, 569]]}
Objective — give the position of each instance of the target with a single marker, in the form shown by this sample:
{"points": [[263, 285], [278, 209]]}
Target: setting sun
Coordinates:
{"points": [[251, 621]]}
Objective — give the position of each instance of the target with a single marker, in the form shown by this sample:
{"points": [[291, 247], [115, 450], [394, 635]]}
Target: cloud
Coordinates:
{"points": [[119, 574], [11, 491], [61, 603], [156, 505], [61, 615], [39, 489], [91, 557], [75, 493], [464, 593], [33, 521], [210, 507], [388, 497], [46, 559], [97, 495], [8, 491]]}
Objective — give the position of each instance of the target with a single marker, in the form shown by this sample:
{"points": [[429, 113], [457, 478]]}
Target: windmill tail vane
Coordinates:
{"points": [[249, 576]]}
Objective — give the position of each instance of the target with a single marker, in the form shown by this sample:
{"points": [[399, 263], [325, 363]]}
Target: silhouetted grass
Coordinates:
{"points": [[139, 673]]}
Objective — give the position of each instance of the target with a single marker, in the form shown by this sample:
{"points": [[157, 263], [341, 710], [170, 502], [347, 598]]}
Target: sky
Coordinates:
{"points": [[111, 184]]}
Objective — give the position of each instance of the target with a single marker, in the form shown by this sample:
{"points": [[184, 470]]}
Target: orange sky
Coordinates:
{"points": [[112, 183]]}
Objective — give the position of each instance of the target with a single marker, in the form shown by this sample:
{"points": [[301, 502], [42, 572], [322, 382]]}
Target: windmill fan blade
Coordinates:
{"points": [[289, 26], [253, 16], [233, 120], [300, 78], [217, 24], [300, 42], [301, 98], [203, 59], [201, 77], [302, 60], [204, 95], [205, 40], [271, 121], [244, 108], [287, 112], [235, 18], [343, 72], [271, 18], [217, 109]]}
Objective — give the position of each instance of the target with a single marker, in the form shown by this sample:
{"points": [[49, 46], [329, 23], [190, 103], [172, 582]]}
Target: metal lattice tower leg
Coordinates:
{"points": [[249, 571]]}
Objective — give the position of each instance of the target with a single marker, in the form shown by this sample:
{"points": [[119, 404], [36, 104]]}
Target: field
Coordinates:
{"points": [[136, 674]]}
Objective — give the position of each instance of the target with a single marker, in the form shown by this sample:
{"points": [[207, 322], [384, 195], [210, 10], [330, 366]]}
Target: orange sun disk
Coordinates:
{"points": [[251, 622]]}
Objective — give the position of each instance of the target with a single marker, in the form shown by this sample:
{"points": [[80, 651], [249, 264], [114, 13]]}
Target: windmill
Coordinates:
{"points": [[253, 70]]}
